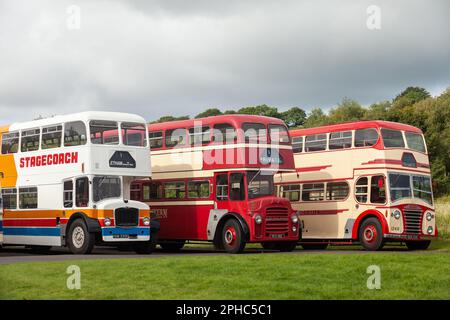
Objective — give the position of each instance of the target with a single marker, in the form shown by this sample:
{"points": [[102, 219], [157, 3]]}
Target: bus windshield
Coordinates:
{"points": [[106, 187], [260, 184], [409, 186]]}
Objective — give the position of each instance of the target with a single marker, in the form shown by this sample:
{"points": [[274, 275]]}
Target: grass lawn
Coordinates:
{"points": [[260, 276]]}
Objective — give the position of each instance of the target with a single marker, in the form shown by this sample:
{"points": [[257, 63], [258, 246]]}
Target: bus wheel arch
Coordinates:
{"points": [[366, 215], [92, 224], [236, 228]]}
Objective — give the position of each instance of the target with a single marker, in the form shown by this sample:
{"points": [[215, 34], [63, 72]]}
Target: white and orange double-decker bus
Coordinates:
{"points": [[213, 180], [365, 181], [65, 181]]}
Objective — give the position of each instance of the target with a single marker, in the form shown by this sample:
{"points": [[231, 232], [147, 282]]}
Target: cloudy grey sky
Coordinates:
{"points": [[179, 57]]}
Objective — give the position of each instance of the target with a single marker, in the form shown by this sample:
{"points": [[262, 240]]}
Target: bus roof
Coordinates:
{"points": [[234, 119], [354, 125], [80, 116]]}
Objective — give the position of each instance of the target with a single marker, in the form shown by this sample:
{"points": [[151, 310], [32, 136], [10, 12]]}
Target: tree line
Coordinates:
{"points": [[414, 106]]}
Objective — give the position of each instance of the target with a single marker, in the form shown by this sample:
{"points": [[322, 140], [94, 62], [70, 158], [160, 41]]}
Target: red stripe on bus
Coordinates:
{"points": [[315, 168], [321, 212]]}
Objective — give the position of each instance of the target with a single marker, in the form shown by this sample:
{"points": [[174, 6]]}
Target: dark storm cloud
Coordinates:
{"points": [[179, 57]]}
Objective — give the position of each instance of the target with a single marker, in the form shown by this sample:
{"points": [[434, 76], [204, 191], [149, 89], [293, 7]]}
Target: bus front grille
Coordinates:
{"points": [[127, 217], [413, 221], [277, 221]]}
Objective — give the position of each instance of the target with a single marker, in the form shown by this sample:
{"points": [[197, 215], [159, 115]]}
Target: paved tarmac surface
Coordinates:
{"points": [[10, 255]]}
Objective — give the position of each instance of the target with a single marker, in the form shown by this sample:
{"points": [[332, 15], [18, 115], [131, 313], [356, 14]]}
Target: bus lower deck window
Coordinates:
{"points": [[377, 189], [9, 198], [28, 198], [222, 187], [362, 189], [68, 194], [313, 192], [82, 192], [175, 190], [198, 189]]}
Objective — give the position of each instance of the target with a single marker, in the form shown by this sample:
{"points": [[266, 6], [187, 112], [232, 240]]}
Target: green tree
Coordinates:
{"points": [[170, 118], [294, 117], [347, 110], [378, 111], [316, 118], [409, 96], [261, 110], [209, 113]]}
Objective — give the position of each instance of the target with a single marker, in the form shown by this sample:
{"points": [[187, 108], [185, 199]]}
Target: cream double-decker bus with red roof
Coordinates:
{"points": [[65, 181], [366, 181], [213, 180]]}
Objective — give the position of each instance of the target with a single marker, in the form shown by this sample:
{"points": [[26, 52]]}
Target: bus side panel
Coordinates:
{"points": [[25, 228], [183, 221]]}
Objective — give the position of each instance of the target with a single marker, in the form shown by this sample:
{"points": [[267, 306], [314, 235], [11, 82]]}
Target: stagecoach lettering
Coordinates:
{"points": [[49, 159]]}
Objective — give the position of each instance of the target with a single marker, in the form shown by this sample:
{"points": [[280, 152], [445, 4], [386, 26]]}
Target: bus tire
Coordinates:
{"points": [[371, 234], [172, 246], [233, 239], [79, 239], [314, 246], [286, 246], [418, 245], [146, 247], [40, 249]]}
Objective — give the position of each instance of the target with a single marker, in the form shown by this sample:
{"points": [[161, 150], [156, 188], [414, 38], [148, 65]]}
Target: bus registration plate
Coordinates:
{"points": [[277, 236]]}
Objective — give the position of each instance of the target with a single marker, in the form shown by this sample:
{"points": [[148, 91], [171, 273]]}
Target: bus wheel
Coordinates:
{"points": [[79, 240], [418, 245], [40, 249], [172, 246], [286, 246], [233, 237], [314, 246], [371, 234]]}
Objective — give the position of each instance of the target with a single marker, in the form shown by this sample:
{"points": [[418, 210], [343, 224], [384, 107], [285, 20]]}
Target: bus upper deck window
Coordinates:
{"points": [[176, 137], [340, 140], [199, 135], [156, 139], [74, 134], [392, 138], [278, 134], [224, 133], [415, 141], [104, 132], [30, 140], [134, 134], [51, 137], [366, 137], [316, 142], [10, 142], [297, 144], [255, 133]]}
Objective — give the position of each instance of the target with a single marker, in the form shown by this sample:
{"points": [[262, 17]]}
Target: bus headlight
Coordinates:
{"points": [[258, 219], [107, 221], [146, 221], [294, 229], [294, 219], [397, 214], [429, 216], [430, 230]]}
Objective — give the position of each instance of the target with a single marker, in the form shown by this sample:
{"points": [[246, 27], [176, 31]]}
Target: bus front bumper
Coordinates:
{"points": [[114, 234]]}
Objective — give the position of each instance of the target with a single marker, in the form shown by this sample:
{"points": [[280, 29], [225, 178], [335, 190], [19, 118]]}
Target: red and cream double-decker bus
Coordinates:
{"points": [[213, 180], [65, 181], [366, 181]]}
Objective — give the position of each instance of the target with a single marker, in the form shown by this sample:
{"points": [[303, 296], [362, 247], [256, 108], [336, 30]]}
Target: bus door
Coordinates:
{"points": [[230, 191]]}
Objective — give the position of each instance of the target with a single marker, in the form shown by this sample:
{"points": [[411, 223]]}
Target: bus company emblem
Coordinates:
{"points": [[48, 160], [270, 156], [122, 159]]}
